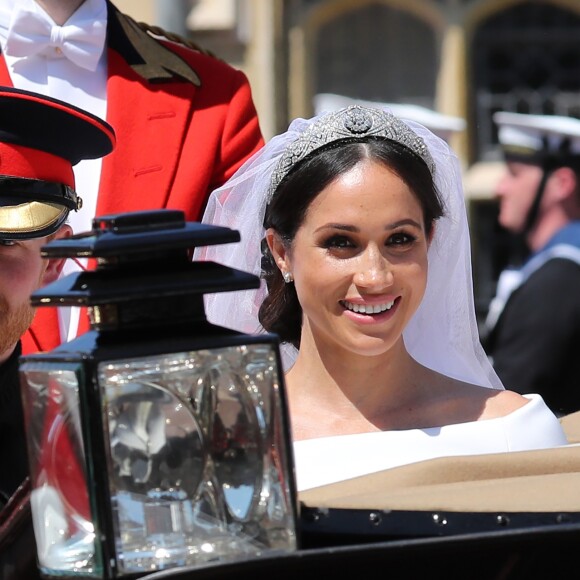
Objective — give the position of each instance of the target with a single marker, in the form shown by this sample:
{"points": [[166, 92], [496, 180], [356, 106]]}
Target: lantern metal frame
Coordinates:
{"points": [[145, 299]]}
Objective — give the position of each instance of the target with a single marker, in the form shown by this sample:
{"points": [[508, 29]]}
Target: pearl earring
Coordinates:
{"points": [[288, 277]]}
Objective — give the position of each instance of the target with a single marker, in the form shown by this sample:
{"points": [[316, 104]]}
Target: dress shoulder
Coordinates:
{"points": [[533, 426]]}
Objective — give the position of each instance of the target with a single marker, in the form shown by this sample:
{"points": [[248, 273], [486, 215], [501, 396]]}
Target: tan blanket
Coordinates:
{"points": [[531, 481]]}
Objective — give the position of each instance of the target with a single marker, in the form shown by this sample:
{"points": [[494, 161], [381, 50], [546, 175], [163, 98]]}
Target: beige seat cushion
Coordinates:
{"points": [[571, 425], [530, 481]]}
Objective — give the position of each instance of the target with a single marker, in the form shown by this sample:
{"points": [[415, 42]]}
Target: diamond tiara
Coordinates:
{"points": [[350, 124]]}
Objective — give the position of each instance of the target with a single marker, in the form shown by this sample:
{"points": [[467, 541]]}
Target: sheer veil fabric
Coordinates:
{"points": [[442, 335]]}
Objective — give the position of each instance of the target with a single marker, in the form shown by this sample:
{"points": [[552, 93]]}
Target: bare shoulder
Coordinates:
{"points": [[479, 402], [456, 401]]}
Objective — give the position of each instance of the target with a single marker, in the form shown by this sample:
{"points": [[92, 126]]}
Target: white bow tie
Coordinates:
{"points": [[81, 42]]}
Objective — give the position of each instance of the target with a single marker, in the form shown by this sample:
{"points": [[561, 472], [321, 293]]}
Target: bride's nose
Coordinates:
{"points": [[374, 270]]}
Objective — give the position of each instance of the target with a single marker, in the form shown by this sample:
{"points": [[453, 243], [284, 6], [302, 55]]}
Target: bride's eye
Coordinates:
{"points": [[401, 239], [338, 241]]}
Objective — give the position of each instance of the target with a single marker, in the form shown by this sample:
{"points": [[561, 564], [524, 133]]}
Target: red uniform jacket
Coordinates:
{"points": [[185, 122]]}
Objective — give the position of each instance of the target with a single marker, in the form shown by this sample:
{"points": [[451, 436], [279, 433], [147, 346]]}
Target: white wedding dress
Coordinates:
{"points": [[327, 460]]}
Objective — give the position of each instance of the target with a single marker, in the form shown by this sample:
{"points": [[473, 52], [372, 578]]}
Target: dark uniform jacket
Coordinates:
{"points": [[535, 344], [17, 544], [13, 457]]}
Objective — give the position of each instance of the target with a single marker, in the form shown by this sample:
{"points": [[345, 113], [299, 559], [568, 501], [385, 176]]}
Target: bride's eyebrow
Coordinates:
{"points": [[333, 226], [405, 222], [354, 229]]}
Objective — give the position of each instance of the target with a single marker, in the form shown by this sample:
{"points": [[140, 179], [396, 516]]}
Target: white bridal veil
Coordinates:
{"points": [[443, 333]]}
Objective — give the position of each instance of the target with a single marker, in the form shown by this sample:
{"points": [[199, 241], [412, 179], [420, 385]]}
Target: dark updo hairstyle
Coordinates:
{"points": [[281, 312]]}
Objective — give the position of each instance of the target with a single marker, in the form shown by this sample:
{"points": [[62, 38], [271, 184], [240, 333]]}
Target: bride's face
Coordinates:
{"points": [[359, 260]]}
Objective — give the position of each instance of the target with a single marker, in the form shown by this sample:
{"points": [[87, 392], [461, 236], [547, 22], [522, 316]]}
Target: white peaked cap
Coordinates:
{"points": [[441, 125], [535, 136]]}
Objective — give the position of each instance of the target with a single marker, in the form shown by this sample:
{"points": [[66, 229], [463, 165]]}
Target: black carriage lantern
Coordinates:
{"points": [[156, 439]]}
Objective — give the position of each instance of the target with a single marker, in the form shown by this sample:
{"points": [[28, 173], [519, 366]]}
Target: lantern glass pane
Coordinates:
{"points": [[60, 501], [198, 459]]}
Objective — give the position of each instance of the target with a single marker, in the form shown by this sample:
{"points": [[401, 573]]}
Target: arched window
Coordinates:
{"points": [[525, 59], [377, 53]]}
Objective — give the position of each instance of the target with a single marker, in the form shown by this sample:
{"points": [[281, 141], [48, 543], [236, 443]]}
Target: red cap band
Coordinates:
{"points": [[20, 161]]}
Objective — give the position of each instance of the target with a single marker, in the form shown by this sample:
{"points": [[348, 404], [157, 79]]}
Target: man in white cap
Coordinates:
{"points": [[533, 324]]}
